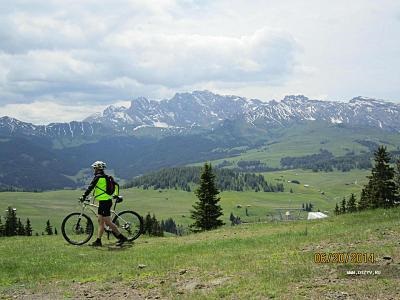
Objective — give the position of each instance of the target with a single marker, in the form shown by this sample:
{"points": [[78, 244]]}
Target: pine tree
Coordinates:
{"points": [[1, 228], [49, 228], [351, 204], [207, 210], [397, 180], [10, 228], [28, 228], [156, 227], [169, 226], [148, 224], [343, 206], [365, 199], [55, 231], [337, 210], [232, 219], [20, 228], [162, 224], [381, 190]]}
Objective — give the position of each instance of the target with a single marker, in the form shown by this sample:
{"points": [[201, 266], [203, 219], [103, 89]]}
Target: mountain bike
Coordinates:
{"points": [[77, 228]]}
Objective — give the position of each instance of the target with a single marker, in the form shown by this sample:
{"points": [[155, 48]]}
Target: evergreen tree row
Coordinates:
{"points": [[325, 161], [226, 179], [253, 166], [307, 207], [382, 189], [348, 206], [154, 227], [13, 226]]}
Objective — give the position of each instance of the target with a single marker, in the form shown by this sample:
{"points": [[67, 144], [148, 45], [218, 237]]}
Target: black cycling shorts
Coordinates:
{"points": [[104, 208]]}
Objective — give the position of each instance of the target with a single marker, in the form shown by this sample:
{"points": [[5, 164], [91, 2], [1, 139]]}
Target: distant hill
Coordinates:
{"points": [[191, 128], [225, 179]]}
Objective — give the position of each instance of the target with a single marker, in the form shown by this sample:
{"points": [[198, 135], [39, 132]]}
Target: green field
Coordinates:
{"points": [[309, 137], [252, 261], [262, 258], [54, 205]]}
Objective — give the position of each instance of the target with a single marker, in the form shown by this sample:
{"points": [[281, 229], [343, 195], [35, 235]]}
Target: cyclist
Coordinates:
{"points": [[99, 186]]}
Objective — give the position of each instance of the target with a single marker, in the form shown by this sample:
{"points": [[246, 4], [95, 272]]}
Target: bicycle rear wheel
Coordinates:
{"points": [[129, 223], [77, 228]]}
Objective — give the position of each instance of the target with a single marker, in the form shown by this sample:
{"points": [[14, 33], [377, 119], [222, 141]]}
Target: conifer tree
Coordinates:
{"points": [[337, 210], [10, 228], [20, 228], [380, 191], [28, 228], [207, 210], [1, 228], [232, 219], [162, 224], [156, 227], [351, 204], [49, 228], [148, 224], [343, 206], [55, 231], [397, 180]]}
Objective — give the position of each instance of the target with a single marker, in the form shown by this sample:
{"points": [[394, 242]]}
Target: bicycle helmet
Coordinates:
{"points": [[99, 165]]}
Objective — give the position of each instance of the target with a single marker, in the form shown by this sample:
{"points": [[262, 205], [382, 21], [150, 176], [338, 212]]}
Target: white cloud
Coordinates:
{"points": [[44, 112], [93, 52], [175, 60]]}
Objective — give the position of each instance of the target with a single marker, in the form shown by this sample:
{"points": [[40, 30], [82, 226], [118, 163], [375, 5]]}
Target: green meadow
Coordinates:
{"points": [[250, 261], [321, 189], [262, 258]]}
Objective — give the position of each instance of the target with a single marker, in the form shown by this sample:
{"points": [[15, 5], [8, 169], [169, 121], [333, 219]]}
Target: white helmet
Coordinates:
{"points": [[99, 165]]}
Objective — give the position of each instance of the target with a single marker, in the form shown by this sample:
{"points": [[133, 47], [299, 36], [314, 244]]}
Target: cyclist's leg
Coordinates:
{"points": [[104, 214], [101, 226], [113, 227]]}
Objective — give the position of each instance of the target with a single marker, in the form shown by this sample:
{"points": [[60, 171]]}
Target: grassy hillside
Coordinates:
{"points": [[254, 261], [307, 138], [54, 205]]}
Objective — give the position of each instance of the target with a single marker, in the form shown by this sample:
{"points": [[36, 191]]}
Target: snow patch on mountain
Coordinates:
{"points": [[203, 109]]}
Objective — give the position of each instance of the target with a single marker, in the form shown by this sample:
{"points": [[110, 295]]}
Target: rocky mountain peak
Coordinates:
{"points": [[206, 109]]}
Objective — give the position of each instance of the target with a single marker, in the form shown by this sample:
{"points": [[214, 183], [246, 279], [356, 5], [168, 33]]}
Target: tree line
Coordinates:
{"points": [[325, 161], [13, 226], [183, 178], [382, 189], [154, 227]]}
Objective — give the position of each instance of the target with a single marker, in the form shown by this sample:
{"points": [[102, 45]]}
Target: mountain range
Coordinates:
{"points": [[186, 112], [188, 128]]}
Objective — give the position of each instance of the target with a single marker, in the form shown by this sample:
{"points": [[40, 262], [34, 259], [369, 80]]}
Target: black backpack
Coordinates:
{"points": [[110, 185]]}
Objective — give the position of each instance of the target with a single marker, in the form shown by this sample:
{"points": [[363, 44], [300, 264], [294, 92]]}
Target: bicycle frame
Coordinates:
{"points": [[90, 204]]}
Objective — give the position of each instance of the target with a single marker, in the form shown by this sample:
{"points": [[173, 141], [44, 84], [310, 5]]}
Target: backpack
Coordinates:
{"points": [[110, 185]]}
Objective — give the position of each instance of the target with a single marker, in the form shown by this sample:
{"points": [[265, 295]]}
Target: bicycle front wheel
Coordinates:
{"points": [[129, 223], [77, 228]]}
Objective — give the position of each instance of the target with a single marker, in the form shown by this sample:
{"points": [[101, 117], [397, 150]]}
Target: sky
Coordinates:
{"points": [[64, 60]]}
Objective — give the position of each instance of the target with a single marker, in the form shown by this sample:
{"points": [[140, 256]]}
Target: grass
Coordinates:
{"points": [[272, 260], [55, 205], [307, 138]]}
